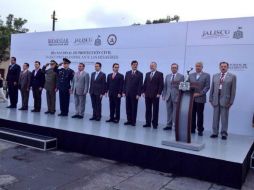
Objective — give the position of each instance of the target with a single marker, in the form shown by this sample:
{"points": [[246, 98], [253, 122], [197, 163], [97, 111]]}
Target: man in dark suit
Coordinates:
{"points": [[152, 90], [115, 82], [64, 80], [37, 84], [97, 90], [24, 85], [12, 82], [132, 91]]}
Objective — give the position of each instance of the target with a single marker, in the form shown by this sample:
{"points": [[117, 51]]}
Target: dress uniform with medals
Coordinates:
{"points": [[64, 79]]}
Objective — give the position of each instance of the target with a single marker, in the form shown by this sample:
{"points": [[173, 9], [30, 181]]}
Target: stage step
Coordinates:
{"points": [[28, 139], [252, 161]]}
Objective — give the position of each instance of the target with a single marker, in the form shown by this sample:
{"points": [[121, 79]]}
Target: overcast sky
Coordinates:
{"points": [[79, 14]]}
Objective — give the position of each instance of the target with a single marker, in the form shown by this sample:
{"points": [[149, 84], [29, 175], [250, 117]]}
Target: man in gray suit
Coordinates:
{"points": [[50, 85], [202, 85], [222, 95], [24, 85], [80, 87], [170, 94]]}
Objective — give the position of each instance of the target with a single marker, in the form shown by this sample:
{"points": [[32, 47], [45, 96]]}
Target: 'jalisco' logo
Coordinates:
{"points": [[58, 42], [208, 34], [222, 33], [83, 41]]}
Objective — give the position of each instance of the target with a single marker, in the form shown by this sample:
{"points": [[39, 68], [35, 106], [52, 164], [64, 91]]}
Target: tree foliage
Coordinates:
{"points": [[12, 25], [168, 19], [164, 20]]}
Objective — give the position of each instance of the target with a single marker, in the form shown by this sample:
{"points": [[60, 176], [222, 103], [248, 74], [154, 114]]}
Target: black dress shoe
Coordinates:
{"points": [[22, 108], [92, 118], [146, 125], [80, 117], [47, 112], [75, 116], [155, 127], [167, 128], [60, 114], [52, 112], [109, 120], [11, 106], [200, 134], [133, 124], [97, 119], [213, 136], [127, 123], [116, 121], [224, 137], [35, 110]]}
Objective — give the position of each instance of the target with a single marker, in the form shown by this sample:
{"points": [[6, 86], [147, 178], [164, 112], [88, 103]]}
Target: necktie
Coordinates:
{"points": [[222, 78], [197, 76], [96, 75], [173, 77], [151, 75]]}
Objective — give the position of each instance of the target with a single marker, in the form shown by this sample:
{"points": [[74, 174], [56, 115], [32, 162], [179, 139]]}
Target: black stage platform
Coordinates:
{"points": [[222, 162]]}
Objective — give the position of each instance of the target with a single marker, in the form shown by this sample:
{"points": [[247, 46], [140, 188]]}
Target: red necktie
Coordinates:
{"points": [[222, 78]]}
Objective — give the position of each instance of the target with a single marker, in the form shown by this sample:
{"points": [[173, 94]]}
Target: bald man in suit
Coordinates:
{"points": [[222, 95]]}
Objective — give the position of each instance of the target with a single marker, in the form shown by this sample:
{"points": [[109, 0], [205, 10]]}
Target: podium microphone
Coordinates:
{"points": [[188, 71]]}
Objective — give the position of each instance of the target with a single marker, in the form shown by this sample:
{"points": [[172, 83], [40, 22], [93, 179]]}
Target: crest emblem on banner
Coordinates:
{"points": [[238, 34], [97, 41], [112, 39]]}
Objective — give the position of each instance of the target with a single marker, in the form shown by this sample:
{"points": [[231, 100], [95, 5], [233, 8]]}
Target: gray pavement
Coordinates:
{"points": [[30, 169]]}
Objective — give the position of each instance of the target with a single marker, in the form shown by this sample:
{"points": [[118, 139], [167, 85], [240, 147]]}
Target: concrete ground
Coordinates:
{"points": [[29, 169]]}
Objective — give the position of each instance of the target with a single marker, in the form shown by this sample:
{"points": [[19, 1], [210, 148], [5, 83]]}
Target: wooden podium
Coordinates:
{"points": [[183, 118], [184, 115]]}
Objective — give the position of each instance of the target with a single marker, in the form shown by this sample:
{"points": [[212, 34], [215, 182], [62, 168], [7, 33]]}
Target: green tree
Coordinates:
{"points": [[164, 20], [12, 25]]}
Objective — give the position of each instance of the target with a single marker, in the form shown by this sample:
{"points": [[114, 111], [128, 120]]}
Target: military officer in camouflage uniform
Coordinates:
{"points": [[50, 85], [64, 80]]}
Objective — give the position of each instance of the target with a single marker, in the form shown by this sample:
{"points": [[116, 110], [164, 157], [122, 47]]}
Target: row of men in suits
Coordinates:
{"points": [[222, 95], [53, 79], [115, 86]]}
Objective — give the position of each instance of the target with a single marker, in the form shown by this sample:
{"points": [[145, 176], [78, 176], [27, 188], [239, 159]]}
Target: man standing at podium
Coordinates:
{"points": [[170, 94], [222, 95], [152, 90], [202, 85]]}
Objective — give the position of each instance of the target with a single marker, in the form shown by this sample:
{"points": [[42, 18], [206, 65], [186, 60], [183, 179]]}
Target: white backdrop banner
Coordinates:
{"points": [[184, 43]]}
